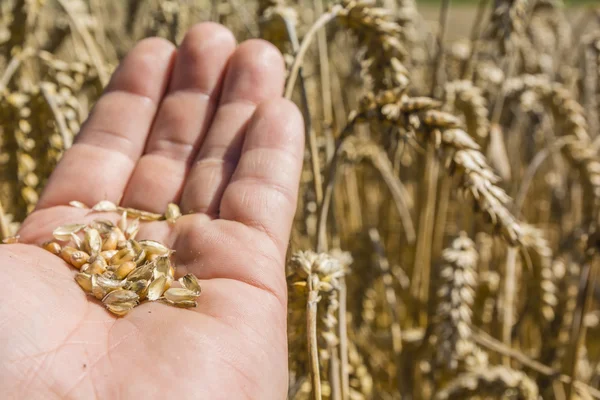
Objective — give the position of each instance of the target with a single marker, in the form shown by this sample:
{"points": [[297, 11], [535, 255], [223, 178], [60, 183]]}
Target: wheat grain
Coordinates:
{"points": [[455, 299], [380, 39], [124, 272], [468, 99], [463, 156]]}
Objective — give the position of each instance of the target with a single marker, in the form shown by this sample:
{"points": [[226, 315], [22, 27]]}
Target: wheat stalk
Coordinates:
{"points": [[318, 273]]}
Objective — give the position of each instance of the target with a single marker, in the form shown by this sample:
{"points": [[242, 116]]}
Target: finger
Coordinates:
{"points": [[255, 73], [183, 118], [99, 164], [263, 190]]}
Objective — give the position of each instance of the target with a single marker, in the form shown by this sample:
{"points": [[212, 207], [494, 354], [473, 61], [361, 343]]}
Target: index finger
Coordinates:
{"points": [[99, 164]]}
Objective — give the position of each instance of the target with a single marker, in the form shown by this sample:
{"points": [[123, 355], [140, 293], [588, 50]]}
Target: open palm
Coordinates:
{"points": [[203, 126]]}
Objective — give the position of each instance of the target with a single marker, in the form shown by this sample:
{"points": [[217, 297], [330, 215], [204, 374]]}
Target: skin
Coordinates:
{"points": [[203, 126]]}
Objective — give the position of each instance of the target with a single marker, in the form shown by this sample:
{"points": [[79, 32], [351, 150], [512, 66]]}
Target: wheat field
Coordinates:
{"points": [[445, 242]]}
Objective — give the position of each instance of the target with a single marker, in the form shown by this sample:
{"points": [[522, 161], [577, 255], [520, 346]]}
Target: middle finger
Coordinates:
{"points": [[183, 118]]}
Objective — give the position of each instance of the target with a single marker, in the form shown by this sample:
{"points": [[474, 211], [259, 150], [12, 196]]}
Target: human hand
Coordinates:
{"points": [[203, 126]]}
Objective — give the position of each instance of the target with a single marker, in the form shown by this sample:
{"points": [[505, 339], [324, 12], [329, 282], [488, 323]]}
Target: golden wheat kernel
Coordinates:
{"points": [[124, 269], [65, 233], [163, 267], [92, 242], [102, 284], [152, 257], [77, 204], [173, 213], [143, 272], [52, 247], [122, 256], [143, 215], [183, 303], [77, 242], [140, 253], [179, 294], [111, 240], [108, 254], [98, 265], [120, 296], [79, 258], [85, 268], [157, 288], [66, 253], [132, 229], [122, 224], [98, 291], [138, 286], [104, 206], [191, 283], [121, 309], [101, 225], [154, 248], [84, 280]]}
